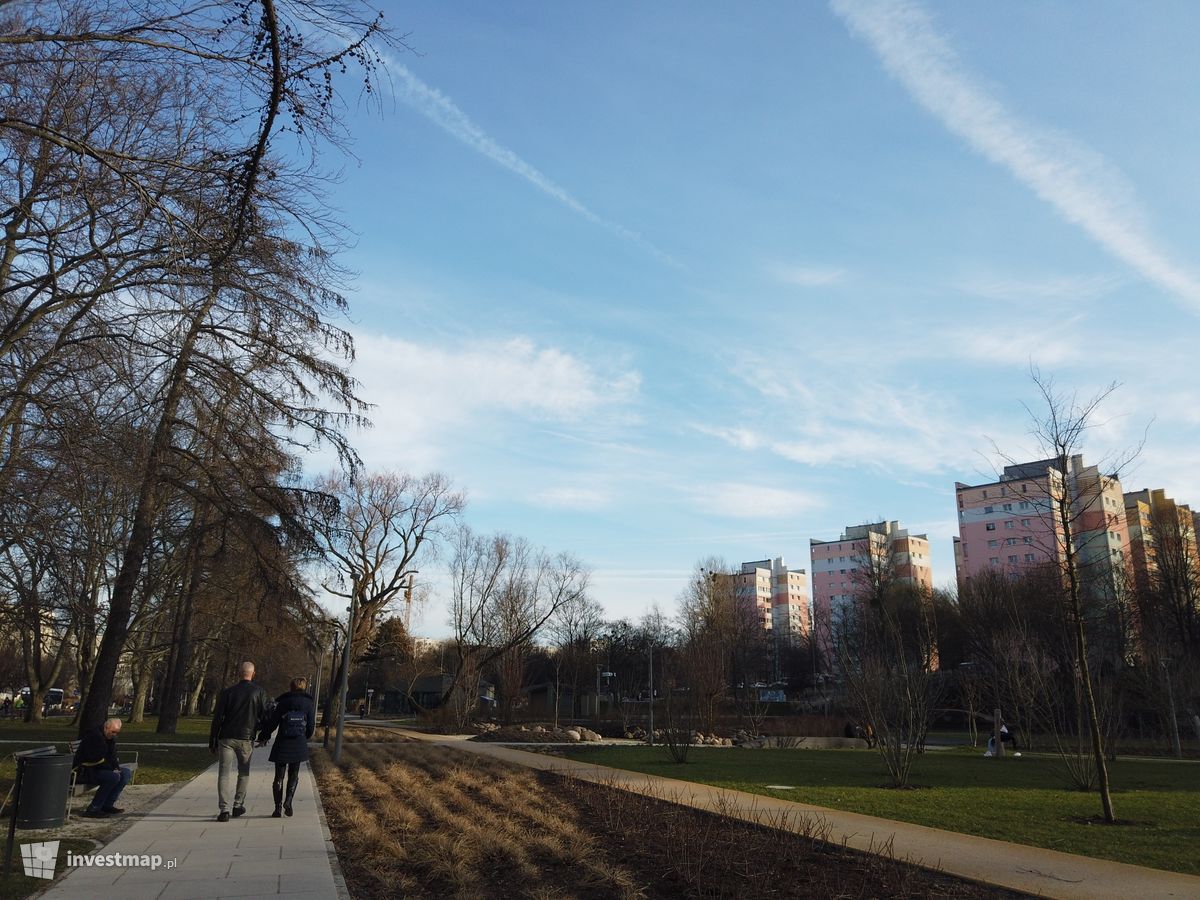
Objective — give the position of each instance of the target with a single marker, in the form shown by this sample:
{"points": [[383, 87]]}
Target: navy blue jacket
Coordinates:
{"points": [[290, 749]]}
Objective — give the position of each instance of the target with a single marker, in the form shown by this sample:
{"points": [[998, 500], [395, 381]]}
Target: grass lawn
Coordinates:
{"points": [[156, 765], [58, 729], [1020, 800]]}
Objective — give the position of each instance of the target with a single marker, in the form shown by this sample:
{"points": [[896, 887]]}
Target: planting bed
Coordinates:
{"points": [[423, 822]]}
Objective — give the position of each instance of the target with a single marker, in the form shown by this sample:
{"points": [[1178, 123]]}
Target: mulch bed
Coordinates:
{"points": [[655, 849]]}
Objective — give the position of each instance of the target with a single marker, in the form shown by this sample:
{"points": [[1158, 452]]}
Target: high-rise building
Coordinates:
{"points": [[1163, 552], [842, 569], [779, 595], [1013, 525]]}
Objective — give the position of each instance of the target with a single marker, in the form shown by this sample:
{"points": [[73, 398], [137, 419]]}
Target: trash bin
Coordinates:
{"points": [[44, 788]]}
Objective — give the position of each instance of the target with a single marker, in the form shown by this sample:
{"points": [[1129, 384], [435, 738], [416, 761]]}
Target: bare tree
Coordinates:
{"points": [[503, 592], [373, 537], [1078, 516]]}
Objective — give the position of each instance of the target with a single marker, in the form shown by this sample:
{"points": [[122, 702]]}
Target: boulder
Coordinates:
{"points": [[571, 734]]}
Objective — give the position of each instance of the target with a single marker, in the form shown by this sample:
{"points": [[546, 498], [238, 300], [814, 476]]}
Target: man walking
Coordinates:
{"points": [[239, 711]]}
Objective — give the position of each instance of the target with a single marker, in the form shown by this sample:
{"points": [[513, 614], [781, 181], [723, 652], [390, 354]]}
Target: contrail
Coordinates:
{"points": [[444, 112], [1078, 182]]}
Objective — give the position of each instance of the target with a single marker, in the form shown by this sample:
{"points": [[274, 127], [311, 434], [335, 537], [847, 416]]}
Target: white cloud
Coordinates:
{"points": [[444, 113], [1050, 344], [861, 421], [806, 276], [428, 395], [753, 501], [1083, 187], [1048, 287], [572, 497]]}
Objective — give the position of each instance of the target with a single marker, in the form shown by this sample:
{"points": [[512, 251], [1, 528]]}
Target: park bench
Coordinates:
{"points": [[80, 790]]}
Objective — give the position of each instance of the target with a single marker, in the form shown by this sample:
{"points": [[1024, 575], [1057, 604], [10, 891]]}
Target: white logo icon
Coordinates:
{"points": [[39, 859]]}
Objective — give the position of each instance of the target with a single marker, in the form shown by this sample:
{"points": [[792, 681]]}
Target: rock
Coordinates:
{"points": [[538, 729], [571, 734]]}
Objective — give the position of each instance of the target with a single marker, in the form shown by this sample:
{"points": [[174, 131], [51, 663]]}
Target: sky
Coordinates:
{"points": [[659, 282]]}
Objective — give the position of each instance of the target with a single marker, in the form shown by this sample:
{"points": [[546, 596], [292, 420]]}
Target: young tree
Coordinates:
{"points": [[1078, 516]]}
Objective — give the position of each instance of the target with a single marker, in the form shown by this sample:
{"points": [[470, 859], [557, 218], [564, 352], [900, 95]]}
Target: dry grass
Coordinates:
{"points": [[419, 821], [358, 734]]}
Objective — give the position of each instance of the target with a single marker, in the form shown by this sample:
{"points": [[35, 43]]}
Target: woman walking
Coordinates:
{"points": [[295, 717]]}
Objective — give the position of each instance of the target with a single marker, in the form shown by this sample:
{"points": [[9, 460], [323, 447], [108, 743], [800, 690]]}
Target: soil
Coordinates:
{"points": [[574, 839]]}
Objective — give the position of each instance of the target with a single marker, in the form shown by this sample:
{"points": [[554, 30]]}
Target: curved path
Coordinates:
{"points": [[1017, 867]]}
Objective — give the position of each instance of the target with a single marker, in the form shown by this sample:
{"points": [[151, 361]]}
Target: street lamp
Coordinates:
{"points": [[1171, 703]]}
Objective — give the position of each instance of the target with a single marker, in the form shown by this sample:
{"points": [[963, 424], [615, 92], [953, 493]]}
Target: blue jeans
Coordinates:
{"points": [[111, 783]]}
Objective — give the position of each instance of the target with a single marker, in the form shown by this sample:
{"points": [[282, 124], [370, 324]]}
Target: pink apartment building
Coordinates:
{"points": [[1010, 526], [779, 595], [840, 567]]}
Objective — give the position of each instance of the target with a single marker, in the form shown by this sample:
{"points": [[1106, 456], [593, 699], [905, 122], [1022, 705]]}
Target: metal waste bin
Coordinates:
{"points": [[45, 784]]}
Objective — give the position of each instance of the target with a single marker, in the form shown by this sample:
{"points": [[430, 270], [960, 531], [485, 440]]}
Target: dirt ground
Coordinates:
{"points": [[416, 821]]}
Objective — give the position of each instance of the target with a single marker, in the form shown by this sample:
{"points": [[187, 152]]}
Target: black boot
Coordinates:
{"points": [[287, 800], [277, 790]]}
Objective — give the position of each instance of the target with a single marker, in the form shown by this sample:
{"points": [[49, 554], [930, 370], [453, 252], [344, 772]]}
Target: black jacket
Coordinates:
{"points": [[95, 752], [240, 710], [290, 748]]}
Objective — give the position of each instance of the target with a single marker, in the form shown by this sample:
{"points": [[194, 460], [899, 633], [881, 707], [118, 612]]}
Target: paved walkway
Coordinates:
{"points": [[1018, 867], [251, 856]]}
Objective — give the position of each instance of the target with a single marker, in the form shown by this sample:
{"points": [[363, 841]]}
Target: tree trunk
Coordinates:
{"points": [[141, 690], [116, 630], [1081, 660], [173, 682]]}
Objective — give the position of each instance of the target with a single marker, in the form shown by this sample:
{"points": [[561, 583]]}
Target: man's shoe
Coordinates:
{"points": [[239, 811], [223, 817], [114, 810], [278, 812], [94, 814]]}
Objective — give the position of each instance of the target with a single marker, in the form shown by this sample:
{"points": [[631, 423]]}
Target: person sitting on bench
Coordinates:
{"points": [[96, 763]]}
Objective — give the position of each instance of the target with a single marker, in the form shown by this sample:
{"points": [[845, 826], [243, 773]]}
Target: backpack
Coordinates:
{"points": [[294, 724]]}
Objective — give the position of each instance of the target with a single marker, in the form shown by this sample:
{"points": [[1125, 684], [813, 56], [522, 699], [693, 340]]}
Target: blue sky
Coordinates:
{"points": [[655, 282]]}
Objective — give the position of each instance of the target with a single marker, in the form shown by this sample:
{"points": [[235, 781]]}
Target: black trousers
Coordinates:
{"points": [[293, 776]]}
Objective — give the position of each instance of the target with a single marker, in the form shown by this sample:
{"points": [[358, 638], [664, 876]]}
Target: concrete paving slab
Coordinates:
{"points": [[208, 859], [1018, 867]]}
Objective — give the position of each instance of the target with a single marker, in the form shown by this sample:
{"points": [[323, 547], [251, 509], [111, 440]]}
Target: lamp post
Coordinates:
{"points": [[345, 686], [1171, 703], [650, 655]]}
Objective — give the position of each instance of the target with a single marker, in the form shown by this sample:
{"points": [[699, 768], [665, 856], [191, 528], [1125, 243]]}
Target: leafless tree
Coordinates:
{"points": [[503, 592]]}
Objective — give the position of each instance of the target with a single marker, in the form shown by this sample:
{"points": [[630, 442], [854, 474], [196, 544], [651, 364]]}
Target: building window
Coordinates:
{"points": [[985, 495], [1008, 507], [1013, 559], [994, 560], [1028, 539], [1024, 504], [1024, 489], [1024, 523], [1008, 542], [991, 526], [1028, 557], [988, 509], [993, 543], [1010, 524]]}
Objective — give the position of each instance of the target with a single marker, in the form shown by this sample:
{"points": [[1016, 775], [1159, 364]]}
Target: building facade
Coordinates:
{"points": [[842, 569], [1013, 525], [779, 596], [1163, 553]]}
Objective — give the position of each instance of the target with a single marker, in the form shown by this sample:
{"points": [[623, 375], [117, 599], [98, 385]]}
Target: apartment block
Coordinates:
{"points": [[779, 596], [1012, 525], [1162, 540], [842, 568]]}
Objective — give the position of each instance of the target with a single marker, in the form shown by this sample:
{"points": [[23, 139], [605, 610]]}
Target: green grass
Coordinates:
{"points": [[156, 765], [58, 729], [1024, 800]]}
